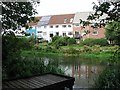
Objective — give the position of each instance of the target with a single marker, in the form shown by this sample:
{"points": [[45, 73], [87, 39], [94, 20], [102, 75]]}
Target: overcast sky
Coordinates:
{"points": [[53, 7]]}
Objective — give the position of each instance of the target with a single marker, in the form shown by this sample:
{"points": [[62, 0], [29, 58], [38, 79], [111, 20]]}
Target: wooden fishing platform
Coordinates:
{"points": [[48, 81]]}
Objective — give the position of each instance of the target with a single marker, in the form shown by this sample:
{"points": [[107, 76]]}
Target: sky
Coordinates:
{"points": [[54, 7]]}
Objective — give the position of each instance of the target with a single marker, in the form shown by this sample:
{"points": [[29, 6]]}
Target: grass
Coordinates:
{"points": [[94, 52], [75, 46], [35, 53], [101, 56]]}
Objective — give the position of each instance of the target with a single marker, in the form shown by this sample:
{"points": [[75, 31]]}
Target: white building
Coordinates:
{"points": [[42, 28], [60, 25]]}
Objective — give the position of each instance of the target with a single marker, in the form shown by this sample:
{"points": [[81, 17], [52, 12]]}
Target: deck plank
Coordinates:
{"points": [[38, 82], [9, 85]]}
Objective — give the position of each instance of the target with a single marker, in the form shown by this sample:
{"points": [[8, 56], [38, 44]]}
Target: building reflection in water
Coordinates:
{"points": [[84, 74]]}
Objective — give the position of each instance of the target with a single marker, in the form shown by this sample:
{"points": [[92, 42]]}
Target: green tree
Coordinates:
{"points": [[113, 32], [112, 11], [16, 14], [109, 77]]}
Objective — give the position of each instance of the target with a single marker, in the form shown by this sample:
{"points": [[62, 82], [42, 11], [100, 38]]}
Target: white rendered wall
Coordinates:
{"points": [[53, 31]]}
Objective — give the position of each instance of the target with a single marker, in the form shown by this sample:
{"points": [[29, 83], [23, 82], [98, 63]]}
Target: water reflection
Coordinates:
{"points": [[84, 74], [84, 71]]}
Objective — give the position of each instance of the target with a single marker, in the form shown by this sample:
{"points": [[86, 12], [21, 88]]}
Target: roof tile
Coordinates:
{"points": [[59, 19]]}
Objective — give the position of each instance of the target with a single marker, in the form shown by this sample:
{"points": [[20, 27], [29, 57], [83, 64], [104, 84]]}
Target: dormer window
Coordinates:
{"points": [[65, 20], [71, 20]]}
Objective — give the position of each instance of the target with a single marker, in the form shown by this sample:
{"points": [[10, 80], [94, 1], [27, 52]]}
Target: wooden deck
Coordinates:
{"points": [[47, 81]]}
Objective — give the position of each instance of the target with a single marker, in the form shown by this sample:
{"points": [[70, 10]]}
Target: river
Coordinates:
{"points": [[85, 71]]}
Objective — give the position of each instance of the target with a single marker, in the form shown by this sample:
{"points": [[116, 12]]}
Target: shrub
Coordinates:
{"points": [[55, 38], [26, 43], [72, 51], [92, 42], [62, 41], [109, 78], [71, 41], [28, 67]]}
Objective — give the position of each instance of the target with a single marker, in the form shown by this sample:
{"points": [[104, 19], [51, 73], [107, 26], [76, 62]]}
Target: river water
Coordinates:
{"points": [[85, 71]]}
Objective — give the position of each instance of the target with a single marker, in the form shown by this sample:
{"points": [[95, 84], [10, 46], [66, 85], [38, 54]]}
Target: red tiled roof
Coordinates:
{"points": [[59, 19]]}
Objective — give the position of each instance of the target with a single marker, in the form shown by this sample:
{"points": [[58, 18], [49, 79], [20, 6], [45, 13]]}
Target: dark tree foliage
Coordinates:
{"points": [[113, 32], [111, 12], [111, 9], [16, 14], [109, 78]]}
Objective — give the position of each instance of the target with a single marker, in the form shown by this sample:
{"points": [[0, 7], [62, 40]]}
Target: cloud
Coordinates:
{"points": [[51, 7]]}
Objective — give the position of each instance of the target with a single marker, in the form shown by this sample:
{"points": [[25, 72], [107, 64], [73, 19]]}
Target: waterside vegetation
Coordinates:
{"points": [[89, 48]]}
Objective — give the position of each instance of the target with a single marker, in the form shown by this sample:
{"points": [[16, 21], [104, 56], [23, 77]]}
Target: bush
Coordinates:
{"points": [[11, 54], [28, 67], [92, 42], [71, 41], [55, 38], [62, 41], [72, 51], [26, 43], [109, 78]]}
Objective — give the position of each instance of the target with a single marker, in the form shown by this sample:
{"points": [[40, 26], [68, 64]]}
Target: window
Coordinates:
{"points": [[77, 25], [51, 35], [65, 20], [39, 31], [63, 26], [95, 32], [71, 20], [69, 33], [56, 26], [69, 25], [77, 35], [57, 33], [64, 34], [51, 26], [45, 26]]}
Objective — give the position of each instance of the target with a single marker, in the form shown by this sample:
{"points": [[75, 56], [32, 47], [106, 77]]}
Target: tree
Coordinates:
{"points": [[112, 11], [14, 15], [113, 32], [109, 78], [17, 14]]}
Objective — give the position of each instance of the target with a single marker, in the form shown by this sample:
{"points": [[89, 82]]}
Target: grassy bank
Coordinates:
{"points": [[36, 53], [88, 52]]}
